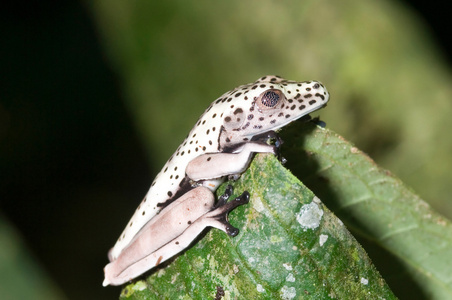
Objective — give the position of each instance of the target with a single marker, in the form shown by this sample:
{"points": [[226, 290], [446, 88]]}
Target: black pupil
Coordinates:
{"points": [[270, 99]]}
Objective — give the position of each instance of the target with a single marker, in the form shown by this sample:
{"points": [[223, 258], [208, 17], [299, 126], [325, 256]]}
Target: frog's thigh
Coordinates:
{"points": [[155, 242], [217, 217], [215, 165]]}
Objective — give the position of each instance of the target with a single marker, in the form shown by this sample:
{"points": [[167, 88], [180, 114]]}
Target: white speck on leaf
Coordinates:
{"points": [[174, 278], [213, 263], [287, 266], [235, 268], [251, 260], [140, 286], [364, 281], [260, 288], [317, 200], [160, 273], [257, 204], [309, 216], [323, 238], [287, 293], [275, 239], [290, 278]]}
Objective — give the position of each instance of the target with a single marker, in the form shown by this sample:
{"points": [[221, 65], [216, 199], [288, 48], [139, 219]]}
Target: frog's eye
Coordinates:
{"points": [[269, 99]]}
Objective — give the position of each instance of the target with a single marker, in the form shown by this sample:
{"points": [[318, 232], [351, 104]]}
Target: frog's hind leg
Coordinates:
{"points": [[173, 231]]}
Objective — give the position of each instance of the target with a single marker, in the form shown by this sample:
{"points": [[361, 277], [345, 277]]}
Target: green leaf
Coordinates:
{"points": [[410, 243], [290, 247]]}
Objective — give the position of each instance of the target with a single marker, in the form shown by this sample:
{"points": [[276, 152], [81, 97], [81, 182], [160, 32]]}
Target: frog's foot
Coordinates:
{"points": [[271, 136], [218, 216], [318, 122]]}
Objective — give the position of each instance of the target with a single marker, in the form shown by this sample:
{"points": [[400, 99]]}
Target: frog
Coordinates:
{"points": [[180, 204]]}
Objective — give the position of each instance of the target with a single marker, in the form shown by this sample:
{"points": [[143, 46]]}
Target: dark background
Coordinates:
{"points": [[69, 152]]}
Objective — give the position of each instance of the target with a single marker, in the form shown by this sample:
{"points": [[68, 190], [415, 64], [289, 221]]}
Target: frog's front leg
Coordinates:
{"points": [[216, 165], [171, 231], [268, 136]]}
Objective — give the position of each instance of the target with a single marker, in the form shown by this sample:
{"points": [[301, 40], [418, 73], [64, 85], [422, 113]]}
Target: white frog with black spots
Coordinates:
{"points": [[180, 203]]}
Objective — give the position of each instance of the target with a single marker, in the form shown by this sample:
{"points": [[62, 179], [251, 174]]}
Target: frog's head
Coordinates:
{"points": [[268, 104]]}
